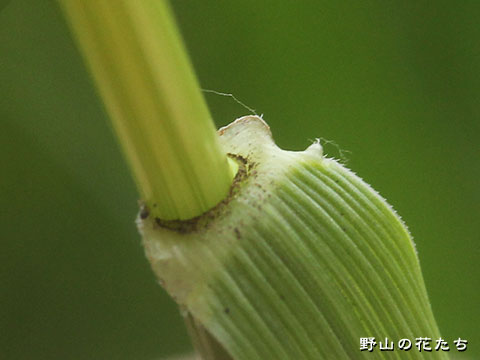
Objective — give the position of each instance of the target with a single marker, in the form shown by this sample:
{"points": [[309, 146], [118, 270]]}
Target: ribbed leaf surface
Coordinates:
{"points": [[301, 261]]}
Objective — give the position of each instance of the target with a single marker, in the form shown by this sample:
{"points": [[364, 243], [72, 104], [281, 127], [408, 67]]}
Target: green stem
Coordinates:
{"points": [[136, 56]]}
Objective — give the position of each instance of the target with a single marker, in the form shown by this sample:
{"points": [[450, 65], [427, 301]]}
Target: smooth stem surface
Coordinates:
{"points": [[152, 95]]}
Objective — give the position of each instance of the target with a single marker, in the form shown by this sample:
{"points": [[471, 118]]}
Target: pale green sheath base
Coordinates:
{"points": [[299, 262]]}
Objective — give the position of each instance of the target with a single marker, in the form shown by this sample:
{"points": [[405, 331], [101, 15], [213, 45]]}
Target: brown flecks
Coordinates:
{"points": [[144, 212], [238, 157], [181, 226], [204, 220], [227, 310], [237, 233], [282, 297]]}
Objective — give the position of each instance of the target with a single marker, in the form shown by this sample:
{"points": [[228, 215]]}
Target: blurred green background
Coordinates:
{"points": [[395, 83]]}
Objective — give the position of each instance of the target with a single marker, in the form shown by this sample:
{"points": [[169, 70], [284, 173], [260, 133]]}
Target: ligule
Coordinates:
{"points": [[301, 262]]}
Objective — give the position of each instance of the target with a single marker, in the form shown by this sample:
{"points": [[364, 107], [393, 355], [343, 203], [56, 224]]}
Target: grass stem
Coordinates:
{"points": [[147, 83]]}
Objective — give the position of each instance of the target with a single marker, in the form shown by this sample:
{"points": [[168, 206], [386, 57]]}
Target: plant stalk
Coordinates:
{"points": [[300, 261], [150, 91]]}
